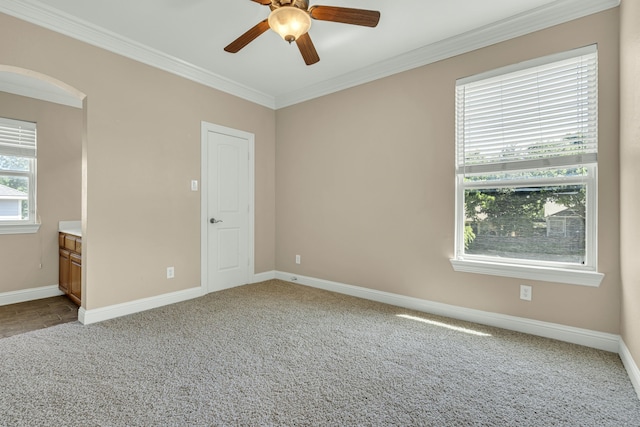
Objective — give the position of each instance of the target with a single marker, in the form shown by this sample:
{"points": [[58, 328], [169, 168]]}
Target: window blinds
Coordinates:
{"points": [[17, 138], [541, 115]]}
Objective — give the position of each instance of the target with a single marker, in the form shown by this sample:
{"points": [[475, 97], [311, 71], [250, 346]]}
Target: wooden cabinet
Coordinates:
{"points": [[70, 278], [75, 277], [64, 271]]}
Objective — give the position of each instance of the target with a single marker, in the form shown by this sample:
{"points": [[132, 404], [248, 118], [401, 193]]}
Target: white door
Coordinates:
{"points": [[229, 208]]}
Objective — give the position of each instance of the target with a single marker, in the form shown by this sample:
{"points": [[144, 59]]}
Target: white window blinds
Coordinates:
{"points": [[543, 114], [17, 138]]}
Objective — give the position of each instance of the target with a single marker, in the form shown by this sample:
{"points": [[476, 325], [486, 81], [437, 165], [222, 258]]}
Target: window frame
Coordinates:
{"points": [[30, 225], [562, 272]]}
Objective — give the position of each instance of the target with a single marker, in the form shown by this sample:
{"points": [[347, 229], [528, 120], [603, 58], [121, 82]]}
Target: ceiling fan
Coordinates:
{"points": [[292, 20]]}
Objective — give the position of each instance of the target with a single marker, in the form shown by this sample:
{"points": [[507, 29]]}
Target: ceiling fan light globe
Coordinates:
{"points": [[289, 22]]}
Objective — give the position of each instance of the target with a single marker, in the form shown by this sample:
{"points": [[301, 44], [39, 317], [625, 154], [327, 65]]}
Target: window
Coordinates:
{"points": [[17, 177], [526, 169]]}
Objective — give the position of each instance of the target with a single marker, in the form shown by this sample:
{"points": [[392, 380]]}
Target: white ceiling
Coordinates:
{"points": [[187, 37]]}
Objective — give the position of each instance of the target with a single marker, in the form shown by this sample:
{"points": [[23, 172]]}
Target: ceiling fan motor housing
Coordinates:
{"points": [[300, 4]]}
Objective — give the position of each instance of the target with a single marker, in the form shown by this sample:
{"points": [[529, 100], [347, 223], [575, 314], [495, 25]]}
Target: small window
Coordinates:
{"points": [[526, 168], [17, 176]]}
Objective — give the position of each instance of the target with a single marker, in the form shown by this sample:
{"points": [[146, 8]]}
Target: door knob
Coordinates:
{"points": [[214, 221]]}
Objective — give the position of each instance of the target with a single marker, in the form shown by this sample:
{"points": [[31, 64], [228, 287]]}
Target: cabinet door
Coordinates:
{"points": [[75, 278], [63, 276]]}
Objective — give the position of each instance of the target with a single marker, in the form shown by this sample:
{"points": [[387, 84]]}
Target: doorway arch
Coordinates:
{"points": [[33, 84]]}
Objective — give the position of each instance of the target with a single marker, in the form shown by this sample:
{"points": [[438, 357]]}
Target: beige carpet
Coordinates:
{"points": [[275, 353]]}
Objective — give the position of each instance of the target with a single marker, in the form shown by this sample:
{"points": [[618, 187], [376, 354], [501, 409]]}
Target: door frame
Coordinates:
{"points": [[204, 199]]}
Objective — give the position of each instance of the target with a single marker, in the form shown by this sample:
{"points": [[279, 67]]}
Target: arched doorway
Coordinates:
{"points": [[61, 179]]}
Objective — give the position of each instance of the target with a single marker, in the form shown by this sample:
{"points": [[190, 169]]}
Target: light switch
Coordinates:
{"points": [[194, 185]]}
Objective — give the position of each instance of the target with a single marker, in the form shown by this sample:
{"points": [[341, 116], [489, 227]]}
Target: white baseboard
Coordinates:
{"points": [[111, 312], [24, 295], [586, 337], [95, 315], [262, 277], [630, 366]]}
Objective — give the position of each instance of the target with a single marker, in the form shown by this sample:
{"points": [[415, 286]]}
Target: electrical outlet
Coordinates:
{"points": [[525, 292], [297, 259], [170, 273]]}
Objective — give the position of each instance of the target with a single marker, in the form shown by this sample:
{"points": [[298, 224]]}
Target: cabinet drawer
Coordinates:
{"points": [[61, 240], [75, 258], [70, 242], [79, 245], [64, 253]]}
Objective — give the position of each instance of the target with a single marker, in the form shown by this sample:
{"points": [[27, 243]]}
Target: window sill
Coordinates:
{"points": [[529, 272], [19, 228]]}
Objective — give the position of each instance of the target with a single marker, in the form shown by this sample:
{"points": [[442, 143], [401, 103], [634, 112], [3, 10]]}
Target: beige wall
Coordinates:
{"points": [[142, 150], [365, 185], [629, 177], [58, 185]]}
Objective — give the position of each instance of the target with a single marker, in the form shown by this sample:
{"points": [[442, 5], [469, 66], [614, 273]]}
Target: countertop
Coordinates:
{"points": [[70, 227]]}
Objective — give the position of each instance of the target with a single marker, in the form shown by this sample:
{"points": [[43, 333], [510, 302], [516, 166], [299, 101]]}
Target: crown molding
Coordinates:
{"points": [[540, 18], [546, 16], [45, 16]]}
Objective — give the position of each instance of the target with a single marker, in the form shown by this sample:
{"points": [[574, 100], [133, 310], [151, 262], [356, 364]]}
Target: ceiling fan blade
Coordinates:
{"points": [[345, 15], [263, 2], [247, 37], [307, 49]]}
